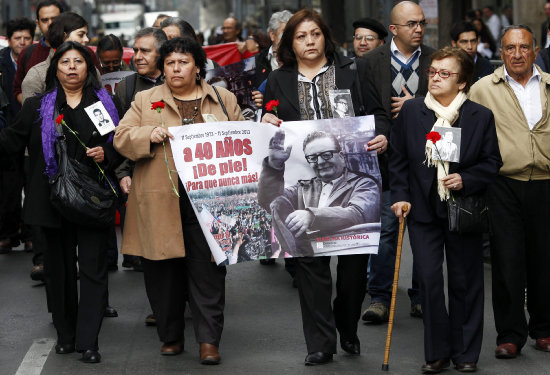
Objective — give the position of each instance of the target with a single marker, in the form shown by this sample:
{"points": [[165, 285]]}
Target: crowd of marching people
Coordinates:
{"points": [[57, 120]]}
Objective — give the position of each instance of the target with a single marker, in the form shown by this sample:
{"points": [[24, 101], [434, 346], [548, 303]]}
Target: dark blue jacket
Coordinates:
{"points": [[411, 180], [7, 70]]}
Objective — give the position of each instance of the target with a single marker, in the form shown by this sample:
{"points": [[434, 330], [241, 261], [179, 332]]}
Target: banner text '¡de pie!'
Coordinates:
{"points": [[227, 148]]}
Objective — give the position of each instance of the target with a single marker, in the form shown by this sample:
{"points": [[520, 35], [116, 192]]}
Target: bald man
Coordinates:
{"points": [[396, 70]]}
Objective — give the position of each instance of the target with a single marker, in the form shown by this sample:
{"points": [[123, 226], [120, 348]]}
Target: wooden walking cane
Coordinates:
{"points": [[385, 365]]}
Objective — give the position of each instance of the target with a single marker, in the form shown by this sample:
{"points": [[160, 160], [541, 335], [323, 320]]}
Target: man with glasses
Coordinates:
{"points": [[334, 199], [354, 203], [368, 34], [397, 72]]}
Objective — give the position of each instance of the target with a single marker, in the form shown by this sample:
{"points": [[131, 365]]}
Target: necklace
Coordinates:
{"points": [[191, 120]]}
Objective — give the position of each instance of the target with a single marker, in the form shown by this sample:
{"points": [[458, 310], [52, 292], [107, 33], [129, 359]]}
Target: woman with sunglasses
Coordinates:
{"points": [[423, 183]]}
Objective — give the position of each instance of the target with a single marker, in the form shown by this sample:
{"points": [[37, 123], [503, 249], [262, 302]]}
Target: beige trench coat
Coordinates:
{"points": [[152, 228]]}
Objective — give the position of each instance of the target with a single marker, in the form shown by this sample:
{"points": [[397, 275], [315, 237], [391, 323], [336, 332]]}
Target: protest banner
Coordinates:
{"points": [[237, 78], [308, 188]]}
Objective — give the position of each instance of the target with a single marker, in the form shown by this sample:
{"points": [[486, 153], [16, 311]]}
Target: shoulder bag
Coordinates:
{"points": [[468, 214], [76, 192]]}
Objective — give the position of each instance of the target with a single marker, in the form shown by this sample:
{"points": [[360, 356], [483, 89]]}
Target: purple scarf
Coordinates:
{"points": [[49, 134]]}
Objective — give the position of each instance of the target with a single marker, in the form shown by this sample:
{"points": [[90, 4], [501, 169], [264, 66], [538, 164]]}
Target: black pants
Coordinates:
{"points": [[457, 333], [11, 184], [77, 321], [319, 319], [167, 283], [520, 256]]}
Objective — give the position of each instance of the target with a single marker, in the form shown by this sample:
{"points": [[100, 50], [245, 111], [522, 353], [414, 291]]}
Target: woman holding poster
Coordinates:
{"points": [[161, 225], [311, 73], [424, 179]]}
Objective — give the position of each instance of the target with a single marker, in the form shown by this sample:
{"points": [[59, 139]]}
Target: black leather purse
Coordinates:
{"points": [[77, 193], [468, 214]]}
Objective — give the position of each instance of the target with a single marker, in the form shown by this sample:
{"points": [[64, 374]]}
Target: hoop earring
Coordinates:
{"points": [[198, 77]]}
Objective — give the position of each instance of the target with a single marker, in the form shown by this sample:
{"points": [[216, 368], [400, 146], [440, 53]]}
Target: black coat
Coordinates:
{"points": [[411, 180], [482, 68], [263, 68], [26, 132], [282, 85], [7, 70]]}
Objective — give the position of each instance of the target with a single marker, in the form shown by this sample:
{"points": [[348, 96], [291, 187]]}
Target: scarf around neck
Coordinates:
{"points": [[446, 116], [49, 133]]}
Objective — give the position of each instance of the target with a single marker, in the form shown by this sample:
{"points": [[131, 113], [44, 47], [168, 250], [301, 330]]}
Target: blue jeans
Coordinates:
{"points": [[382, 266]]}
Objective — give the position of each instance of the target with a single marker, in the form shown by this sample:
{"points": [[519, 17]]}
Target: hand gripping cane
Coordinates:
{"points": [[385, 366]]}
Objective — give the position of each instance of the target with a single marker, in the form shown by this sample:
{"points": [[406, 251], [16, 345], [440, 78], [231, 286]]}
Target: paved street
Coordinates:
{"points": [[262, 335]]}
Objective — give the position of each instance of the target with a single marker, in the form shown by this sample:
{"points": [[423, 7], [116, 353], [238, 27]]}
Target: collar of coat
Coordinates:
{"points": [[163, 93], [499, 76]]}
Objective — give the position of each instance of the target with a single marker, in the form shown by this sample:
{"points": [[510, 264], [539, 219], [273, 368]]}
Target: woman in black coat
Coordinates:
{"points": [[73, 86], [311, 68], [424, 184]]}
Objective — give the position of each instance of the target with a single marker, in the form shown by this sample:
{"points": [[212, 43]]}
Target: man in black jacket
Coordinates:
{"points": [[396, 70], [266, 60], [464, 35], [20, 35]]}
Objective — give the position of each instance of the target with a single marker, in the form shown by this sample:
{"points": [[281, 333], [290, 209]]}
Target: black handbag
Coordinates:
{"points": [[77, 193], [468, 214]]}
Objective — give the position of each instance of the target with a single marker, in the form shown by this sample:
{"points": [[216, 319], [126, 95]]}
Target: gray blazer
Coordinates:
{"points": [[378, 70]]}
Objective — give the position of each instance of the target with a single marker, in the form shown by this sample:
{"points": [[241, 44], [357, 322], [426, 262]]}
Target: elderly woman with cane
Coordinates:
{"points": [[429, 187]]}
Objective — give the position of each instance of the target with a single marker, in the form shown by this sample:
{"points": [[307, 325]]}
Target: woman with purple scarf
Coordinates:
{"points": [[72, 86]]}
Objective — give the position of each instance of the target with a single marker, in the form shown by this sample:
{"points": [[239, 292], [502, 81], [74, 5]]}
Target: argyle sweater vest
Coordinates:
{"points": [[407, 75]]}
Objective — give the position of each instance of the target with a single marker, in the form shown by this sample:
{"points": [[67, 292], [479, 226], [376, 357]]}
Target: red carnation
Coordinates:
{"points": [[59, 119], [433, 136], [158, 106], [272, 105]]}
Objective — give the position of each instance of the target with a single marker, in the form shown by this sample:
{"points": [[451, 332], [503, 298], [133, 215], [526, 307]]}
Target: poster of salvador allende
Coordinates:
{"points": [[307, 188]]}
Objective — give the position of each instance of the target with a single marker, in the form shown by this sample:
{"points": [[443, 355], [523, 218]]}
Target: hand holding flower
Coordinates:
{"points": [[97, 153]]}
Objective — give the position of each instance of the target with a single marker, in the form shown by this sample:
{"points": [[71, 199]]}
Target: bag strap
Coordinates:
{"points": [[130, 88], [28, 54], [221, 101]]}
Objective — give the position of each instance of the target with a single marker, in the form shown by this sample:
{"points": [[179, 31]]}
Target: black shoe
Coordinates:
{"points": [[137, 266], [267, 262], [64, 348], [28, 246], [318, 358], [91, 356], [435, 367], [466, 367], [416, 311], [5, 246], [37, 272], [150, 320], [110, 312], [112, 267], [352, 346], [127, 264]]}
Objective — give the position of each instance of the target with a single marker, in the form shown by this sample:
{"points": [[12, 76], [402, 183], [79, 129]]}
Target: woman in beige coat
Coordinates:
{"points": [[160, 226]]}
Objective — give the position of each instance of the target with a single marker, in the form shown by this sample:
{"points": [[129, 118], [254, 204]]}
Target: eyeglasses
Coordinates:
{"points": [[414, 24], [442, 73], [327, 155], [366, 38]]}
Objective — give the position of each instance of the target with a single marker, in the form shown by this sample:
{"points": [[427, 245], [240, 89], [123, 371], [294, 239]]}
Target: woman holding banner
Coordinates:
{"points": [[424, 180], [311, 69], [161, 225]]}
